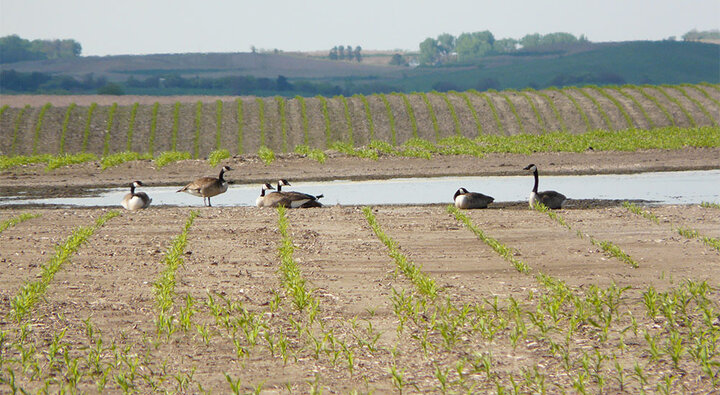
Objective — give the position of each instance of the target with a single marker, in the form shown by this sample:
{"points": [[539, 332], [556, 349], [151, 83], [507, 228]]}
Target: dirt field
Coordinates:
{"points": [[369, 319]]}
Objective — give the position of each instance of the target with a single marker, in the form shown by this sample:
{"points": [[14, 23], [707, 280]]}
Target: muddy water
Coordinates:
{"points": [[686, 187]]}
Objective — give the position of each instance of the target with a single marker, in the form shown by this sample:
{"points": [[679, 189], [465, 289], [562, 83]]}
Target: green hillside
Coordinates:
{"points": [[641, 62]]}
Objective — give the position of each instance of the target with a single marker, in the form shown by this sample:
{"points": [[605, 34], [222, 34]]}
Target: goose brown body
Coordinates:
{"points": [[207, 187], [551, 199], [469, 200]]}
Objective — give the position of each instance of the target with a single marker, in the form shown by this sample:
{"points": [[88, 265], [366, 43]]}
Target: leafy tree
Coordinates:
{"points": [[349, 54], [474, 45], [341, 52], [358, 55], [398, 60], [15, 49], [283, 84], [505, 45], [446, 44], [429, 51], [333, 53], [111, 88]]}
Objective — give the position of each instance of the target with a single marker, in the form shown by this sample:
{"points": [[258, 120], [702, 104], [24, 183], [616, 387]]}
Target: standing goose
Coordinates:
{"points": [[551, 199], [260, 201], [207, 187], [136, 201], [465, 200]]}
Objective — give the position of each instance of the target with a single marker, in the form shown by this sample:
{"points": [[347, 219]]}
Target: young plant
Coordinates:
{"points": [[368, 115], [266, 155], [16, 220], [131, 126], [38, 126], [216, 156], [168, 157], [240, 149], [218, 124], [348, 120], [473, 111], [153, 128], [433, 117], [513, 109], [16, 128], [283, 120], [198, 127], [391, 119], [453, 113], [108, 128]]}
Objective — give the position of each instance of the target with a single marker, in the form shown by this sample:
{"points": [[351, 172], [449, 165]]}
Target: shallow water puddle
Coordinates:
{"points": [[686, 187]]}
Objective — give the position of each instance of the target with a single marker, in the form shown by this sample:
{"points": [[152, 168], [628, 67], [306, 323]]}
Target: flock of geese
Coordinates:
{"points": [[207, 187]]}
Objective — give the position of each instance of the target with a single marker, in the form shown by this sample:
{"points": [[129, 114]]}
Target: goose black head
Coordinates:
{"points": [[283, 182], [459, 192], [530, 167]]}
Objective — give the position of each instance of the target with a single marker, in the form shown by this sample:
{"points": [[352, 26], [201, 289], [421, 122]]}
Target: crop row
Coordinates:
{"points": [[281, 125], [588, 339]]}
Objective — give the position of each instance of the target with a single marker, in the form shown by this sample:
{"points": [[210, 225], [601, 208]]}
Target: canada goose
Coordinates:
{"points": [[260, 201], [313, 202], [136, 201], [551, 199], [286, 199], [464, 199], [207, 187]]}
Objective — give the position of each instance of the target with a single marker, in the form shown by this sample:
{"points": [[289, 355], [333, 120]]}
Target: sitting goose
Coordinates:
{"points": [[260, 201], [551, 199], [207, 187], [286, 199], [311, 203], [136, 200], [465, 200]]}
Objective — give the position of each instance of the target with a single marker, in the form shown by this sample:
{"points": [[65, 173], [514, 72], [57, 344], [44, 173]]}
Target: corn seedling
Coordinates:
{"points": [[695, 102], [153, 128], [131, 126], [66, 122], [410, 113], [453, 113], [433, 117], [240, 149], [500, 248], [16, 127], [348, 120], [532, 105], [164, 286], [168, 157], [597, 105], [216, 156], [673, 99], [32, 292], [266, 154], [108, 128], [620, 107], [425, 285], [218, 124], [473, 111], [304, 116], [552, 105], [122, 157], [655, 101], [326, 120], [493, 109], [513, 109], [69, 159], [175, 126], [579, 109], [198, 127], [636, 103], [283, 120], [38, 126], [710, 205], [293, 280], [16, 220], [312, 153]]}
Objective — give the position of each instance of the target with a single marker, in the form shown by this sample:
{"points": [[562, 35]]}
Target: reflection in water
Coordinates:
{"points": [[685, 187]]}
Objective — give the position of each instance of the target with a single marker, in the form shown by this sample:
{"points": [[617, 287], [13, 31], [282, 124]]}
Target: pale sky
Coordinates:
{"points": [[176, 26]]}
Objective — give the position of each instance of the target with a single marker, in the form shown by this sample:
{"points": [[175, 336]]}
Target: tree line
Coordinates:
{"points": [[16, 49], [447, 48], [340, 52]]}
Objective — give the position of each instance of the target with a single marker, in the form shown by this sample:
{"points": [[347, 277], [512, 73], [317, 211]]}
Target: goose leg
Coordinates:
{"points": [[209, 205]]}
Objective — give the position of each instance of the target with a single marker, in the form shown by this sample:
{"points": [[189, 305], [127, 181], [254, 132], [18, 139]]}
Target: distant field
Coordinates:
{"points": [[104, 125]]}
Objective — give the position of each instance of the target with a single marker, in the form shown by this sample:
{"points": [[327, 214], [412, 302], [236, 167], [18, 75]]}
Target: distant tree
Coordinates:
{"points": [[333, 53], [283, 84], [358, 55], [398, 60], [429, 51], [474, 45], [505, 45], [349, 54], [446, 44], [695, 35], [253, 49], [341, 52], [530, 40], [111, 88], [445, 86], [15, 49]]}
